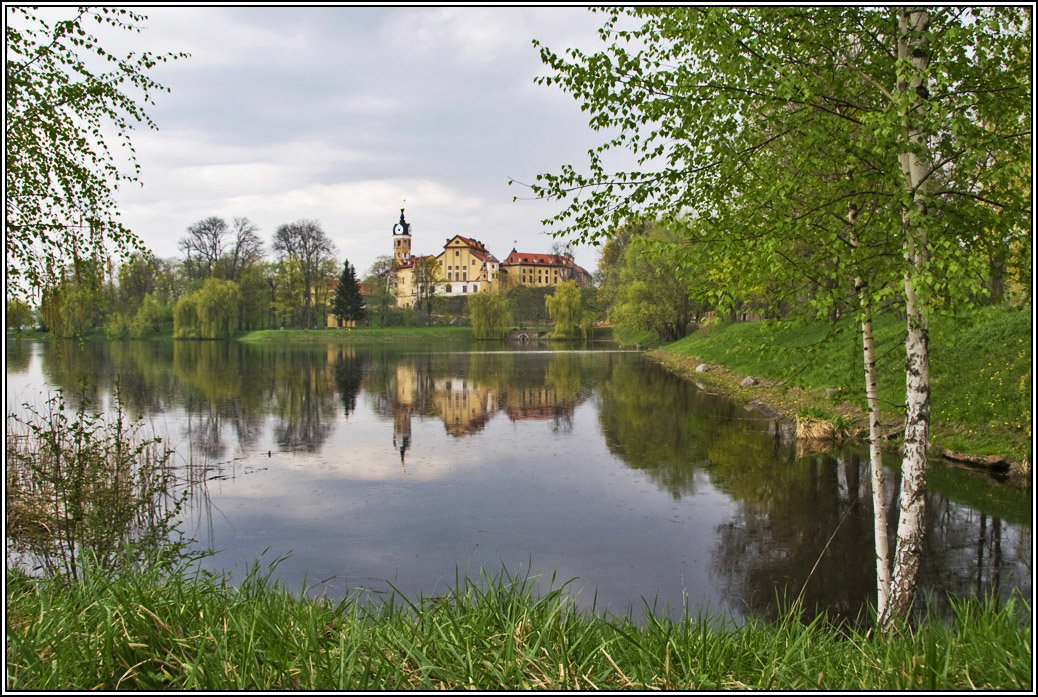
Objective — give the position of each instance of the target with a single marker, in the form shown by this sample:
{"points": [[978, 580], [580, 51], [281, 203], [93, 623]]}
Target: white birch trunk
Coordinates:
{"points": [[912, 45], [878, 476]]}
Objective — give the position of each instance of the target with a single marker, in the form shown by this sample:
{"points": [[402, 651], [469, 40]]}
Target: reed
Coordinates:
{"points": [[87, 485]]}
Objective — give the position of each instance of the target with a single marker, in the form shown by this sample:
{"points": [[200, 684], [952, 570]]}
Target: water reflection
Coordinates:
{"points": [[406, 462]]}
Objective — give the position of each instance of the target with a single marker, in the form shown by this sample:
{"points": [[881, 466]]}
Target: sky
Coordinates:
{"points": [[345, 114]]}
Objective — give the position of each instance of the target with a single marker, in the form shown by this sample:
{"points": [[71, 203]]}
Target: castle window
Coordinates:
{"points": [[448, 289], [464, 289]]}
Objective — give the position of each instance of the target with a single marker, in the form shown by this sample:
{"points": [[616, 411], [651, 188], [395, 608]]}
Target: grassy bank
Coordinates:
{"points": [[145, 631], [360, 335], [980, 369]]}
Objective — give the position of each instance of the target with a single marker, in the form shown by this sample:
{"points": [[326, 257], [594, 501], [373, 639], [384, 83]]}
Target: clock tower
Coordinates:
{"points": [[402, 241]]}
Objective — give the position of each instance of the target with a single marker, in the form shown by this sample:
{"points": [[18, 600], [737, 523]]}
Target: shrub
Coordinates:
{"points": [[82, 485]]}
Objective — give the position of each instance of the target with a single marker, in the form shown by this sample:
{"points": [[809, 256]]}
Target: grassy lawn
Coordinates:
{"points": [[981, 373]]}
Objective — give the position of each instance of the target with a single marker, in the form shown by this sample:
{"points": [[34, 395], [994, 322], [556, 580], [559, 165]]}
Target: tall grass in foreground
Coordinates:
{"points": [[191, 630]]}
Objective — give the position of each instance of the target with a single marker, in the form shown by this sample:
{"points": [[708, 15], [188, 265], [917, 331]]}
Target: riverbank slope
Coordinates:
{"points": [[981, 370]]}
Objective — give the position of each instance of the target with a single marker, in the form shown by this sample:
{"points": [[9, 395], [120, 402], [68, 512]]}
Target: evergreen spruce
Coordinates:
{"points": [[349, 303]]}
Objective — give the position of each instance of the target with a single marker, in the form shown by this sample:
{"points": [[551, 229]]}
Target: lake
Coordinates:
{"points": [[404, 466]]}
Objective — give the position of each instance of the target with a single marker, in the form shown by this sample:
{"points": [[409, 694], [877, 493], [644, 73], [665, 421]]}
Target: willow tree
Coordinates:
{"points": [[490, 314], [779, 126], [567, 311], [211, 312]]}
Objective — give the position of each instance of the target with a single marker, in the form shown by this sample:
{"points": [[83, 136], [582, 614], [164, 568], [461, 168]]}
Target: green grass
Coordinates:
{"points": [[148, 630], [980, 370], [355, 335]]}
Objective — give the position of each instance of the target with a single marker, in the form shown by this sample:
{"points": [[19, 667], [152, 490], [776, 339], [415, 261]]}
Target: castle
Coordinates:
{"points": [[465, 266]]}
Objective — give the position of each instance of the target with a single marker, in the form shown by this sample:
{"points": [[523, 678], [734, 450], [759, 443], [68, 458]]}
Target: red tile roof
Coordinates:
{"points": [[529, 259]]}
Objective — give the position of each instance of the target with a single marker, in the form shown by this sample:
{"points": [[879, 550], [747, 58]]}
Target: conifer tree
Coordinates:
{"points": [[349, 303]]}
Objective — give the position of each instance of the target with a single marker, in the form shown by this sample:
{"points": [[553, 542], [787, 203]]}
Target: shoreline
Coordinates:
{"points": [[782, 402]]}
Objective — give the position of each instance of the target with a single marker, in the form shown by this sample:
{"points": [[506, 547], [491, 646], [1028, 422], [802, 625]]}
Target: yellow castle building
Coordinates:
{"points": [[465, 266]]}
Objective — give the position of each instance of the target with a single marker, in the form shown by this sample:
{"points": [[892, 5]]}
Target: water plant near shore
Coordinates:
{"points": [[85, 486]]}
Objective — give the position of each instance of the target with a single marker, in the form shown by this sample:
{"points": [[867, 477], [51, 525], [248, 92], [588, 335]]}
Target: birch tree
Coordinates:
{"points": [[848, 133], [67, 135]]}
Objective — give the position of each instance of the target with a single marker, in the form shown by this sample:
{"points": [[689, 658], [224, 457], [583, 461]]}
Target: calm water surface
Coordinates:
{"points": [[413, 464]]}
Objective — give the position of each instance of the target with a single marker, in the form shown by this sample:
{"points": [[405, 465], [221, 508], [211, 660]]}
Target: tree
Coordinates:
{"points": [[66, 120], [644, 289], [426, 276], [783, 128], [490, 314], [245, 251], [379, 285], [348, 305], [211, 312], [19, 315], [565, 308], [203, 246], [75, 305], [308, 246]]}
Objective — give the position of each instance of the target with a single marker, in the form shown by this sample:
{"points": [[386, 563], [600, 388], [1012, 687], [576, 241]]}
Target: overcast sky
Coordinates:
{"points": [[340, 113]]}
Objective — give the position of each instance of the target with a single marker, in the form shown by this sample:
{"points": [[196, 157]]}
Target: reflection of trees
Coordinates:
{"points": [[791, 514], [645, 413], [19, 354], [794, 515], [82, 370], [221, 382], [349, 375], [968, 552], [303, 401], [790, 517]]}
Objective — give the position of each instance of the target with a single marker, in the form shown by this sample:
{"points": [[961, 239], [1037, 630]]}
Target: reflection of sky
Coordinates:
{"points": [[516, 494]]}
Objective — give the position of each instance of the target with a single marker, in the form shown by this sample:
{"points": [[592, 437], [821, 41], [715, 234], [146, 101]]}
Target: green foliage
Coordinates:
{"points": [[379, 286], [490, 315], [186, 324], [650, 294], [304, 251], [151, 317], [527, 305], [156, 630], [209, 313], [19, 315], [565, 308], [84, 488], [70, 107]]}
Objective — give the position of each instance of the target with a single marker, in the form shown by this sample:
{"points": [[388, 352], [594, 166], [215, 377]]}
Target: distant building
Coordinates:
{"points": [[537, 270], [465, 266]]}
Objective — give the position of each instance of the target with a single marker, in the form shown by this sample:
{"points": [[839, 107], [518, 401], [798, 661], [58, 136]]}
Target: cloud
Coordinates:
{"points": [[340, 113]]}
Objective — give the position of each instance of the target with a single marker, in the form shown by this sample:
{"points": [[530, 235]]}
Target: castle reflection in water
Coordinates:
{"points": [[465, 405]]}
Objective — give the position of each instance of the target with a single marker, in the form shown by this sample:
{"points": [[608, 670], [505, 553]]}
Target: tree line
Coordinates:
{"points": [[224, 282]]}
